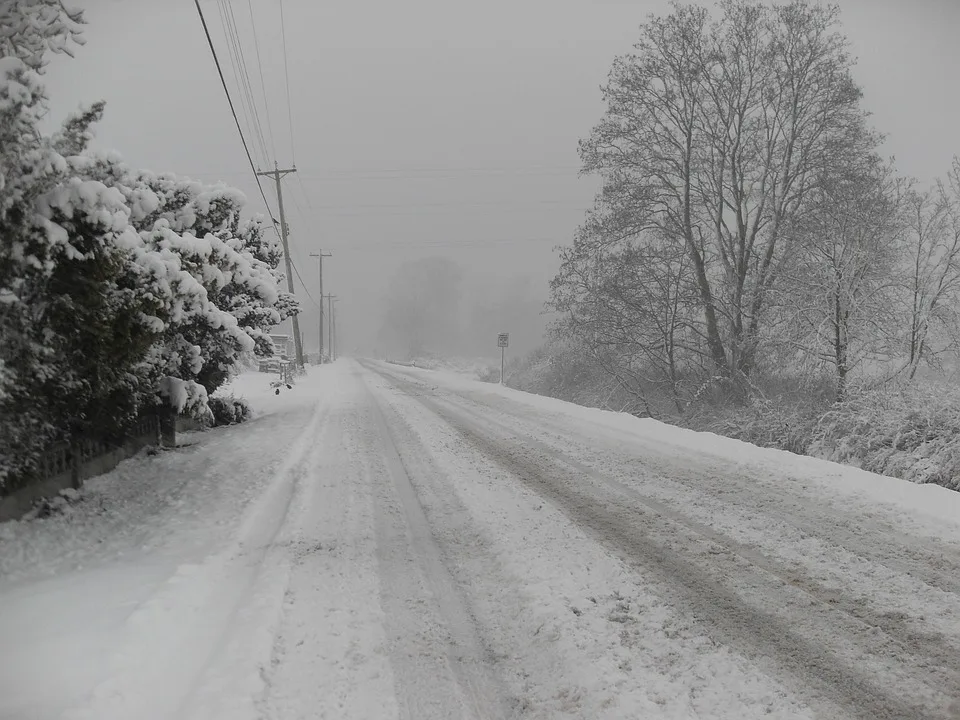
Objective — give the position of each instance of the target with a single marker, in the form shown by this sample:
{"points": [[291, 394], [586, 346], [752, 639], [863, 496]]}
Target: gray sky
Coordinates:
{"points": [[437, 126]]}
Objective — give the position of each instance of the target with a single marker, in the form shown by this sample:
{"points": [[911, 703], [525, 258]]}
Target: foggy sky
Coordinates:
{"points": [[437, 126]]}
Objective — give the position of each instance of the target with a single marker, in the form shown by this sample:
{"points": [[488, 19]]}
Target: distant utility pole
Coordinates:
{"points": [[276, 174], [320, 256]]}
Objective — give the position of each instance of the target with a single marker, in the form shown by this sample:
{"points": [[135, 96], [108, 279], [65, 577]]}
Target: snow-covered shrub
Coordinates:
{"points": [[773, 410], [911, 433], [119, 290], [72, 318], [785, 424], [235, 263], [33, 28], [562, 369], [228, 410], [59, 504]]}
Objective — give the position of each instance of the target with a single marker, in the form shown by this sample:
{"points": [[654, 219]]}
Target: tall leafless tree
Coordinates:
{"points": [[932, 264], [845, 298], [714, 135]]}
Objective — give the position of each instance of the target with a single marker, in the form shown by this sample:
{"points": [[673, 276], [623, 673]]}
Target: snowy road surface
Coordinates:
{"points": [[386, 542]]}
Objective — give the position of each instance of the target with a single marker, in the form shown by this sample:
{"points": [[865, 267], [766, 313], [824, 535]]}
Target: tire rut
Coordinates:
{"points": [[939, 570], [424, 653], [921, 645], [728, 618], [652, 542]]}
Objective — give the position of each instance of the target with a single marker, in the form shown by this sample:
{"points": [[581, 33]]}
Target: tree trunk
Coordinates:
{"points": [[714, 342], [840, 350]]}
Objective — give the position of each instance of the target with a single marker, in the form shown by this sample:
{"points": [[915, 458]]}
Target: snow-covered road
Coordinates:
{"points": [[386, 542]]}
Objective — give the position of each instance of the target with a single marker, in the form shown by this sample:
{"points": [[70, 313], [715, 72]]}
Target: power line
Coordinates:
{"points": [[233, 110], [286, 73], [234, 62], [246, 77], [306, 195], [291, 242], [263, 86], [243, 74], [416, 210], [440, 214], [347, 180], [303, 284], [463, 244], [303, 215], [452, 204], [425, 173]]}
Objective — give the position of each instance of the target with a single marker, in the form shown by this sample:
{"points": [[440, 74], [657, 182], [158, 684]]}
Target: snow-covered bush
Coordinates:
{"points": [[235, 264], [561, 368], [33, 28], [228, 410], [911, 433], [73, 321], [785, 424], [120, 291]]}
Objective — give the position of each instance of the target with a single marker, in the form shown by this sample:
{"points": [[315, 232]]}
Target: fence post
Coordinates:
{"points": [[167, 419]]}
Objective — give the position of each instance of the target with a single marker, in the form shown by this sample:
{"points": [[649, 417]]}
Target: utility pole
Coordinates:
{"points": [[276, 174], [320, 256]]}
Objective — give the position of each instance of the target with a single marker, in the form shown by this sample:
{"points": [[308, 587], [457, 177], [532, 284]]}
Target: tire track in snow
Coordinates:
{"points": [[875, 540], [441, 668], [725, 612], [839, 681], [212, 593], [937, 654], [738, 487], [327, 659]]}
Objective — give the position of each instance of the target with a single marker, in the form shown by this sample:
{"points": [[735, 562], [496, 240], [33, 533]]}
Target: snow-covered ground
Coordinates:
{"points": [[384, 542], [473, 368]]}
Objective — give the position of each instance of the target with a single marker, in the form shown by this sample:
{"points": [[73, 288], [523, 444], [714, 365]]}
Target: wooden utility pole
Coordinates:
{"points": [[276, 174], [320, 256]]}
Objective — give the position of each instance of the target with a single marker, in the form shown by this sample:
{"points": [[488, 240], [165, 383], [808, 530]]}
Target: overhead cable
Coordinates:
{"points": [[233, 110]]}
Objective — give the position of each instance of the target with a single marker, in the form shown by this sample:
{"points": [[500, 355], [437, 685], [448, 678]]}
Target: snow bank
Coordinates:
{"points": [[120, 575], [474, 368], [930, 500]]}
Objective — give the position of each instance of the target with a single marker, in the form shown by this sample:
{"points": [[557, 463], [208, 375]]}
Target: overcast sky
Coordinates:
{"points": [[436, 126]]}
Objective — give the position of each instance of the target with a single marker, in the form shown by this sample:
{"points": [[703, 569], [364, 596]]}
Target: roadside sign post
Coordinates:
{"points": [[503, 340]]}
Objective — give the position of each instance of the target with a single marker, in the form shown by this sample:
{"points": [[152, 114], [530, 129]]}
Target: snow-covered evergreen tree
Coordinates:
{"points": [[71, 313], [234, 261], [119, 290]]}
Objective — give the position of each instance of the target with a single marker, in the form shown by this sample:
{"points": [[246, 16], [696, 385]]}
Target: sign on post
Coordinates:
{"points": [[503, 340]]}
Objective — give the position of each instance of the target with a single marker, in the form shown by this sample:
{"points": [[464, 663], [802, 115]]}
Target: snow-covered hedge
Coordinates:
{"points": [[120, 290], [911, 433], [782, 424]]}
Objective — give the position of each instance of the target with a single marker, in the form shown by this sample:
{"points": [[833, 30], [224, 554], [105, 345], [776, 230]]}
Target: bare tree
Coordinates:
{"points": [[626, 294], [846, 288], [932, 261], [713, 137]]}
